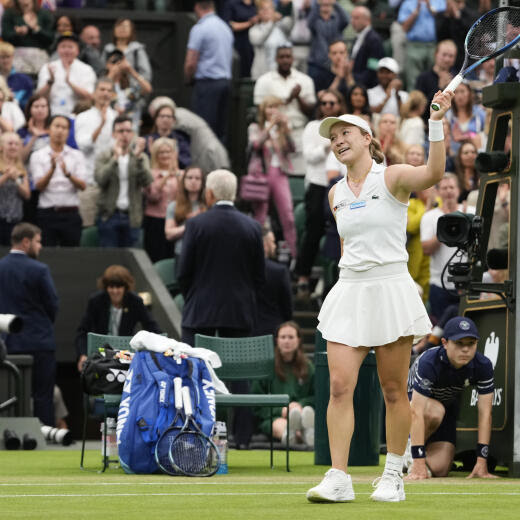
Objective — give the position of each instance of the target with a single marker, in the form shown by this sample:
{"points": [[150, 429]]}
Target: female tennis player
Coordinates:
{"points": [[375, 303]]}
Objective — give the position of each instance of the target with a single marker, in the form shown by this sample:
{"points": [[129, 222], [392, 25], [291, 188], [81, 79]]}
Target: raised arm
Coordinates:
{"points": [[402, 179]]}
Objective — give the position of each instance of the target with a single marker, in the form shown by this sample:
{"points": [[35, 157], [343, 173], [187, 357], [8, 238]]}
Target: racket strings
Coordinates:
{"points": [[191, 454], [494, 32], [162, 451]]}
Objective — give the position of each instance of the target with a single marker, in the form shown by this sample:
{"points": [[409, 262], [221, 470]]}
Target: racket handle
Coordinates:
{"points": [[177, 389], [186, 400], [453, 84]]}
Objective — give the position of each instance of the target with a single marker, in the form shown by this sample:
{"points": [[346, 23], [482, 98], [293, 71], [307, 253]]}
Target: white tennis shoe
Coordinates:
{"points": [[335, 487], [389, 488]]}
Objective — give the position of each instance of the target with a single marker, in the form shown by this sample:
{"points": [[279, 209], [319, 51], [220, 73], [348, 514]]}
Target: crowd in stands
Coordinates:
{"points": [[74, 153]]}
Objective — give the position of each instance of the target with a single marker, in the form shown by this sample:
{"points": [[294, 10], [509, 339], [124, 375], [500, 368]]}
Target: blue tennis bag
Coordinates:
{"points": [[147, 405]]}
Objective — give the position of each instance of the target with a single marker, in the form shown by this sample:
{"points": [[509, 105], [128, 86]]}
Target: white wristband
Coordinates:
{"points": [[435, 130]]}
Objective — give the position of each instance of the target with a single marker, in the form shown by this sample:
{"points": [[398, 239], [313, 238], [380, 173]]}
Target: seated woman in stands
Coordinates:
{"points": [[294, 375], [115, 310]]}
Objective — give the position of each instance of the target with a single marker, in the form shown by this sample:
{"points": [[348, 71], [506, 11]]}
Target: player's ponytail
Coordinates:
{"points": [[376, 151]]}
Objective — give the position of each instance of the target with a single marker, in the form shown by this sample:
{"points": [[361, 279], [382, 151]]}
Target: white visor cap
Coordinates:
{"points": [[329, 122]]}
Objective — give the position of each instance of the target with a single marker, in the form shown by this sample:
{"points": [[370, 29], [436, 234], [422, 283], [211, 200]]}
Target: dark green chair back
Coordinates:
{"points": [[299, 222], [89, 237], [166, 271], [297, 186], [95, 341], [242, 358]]}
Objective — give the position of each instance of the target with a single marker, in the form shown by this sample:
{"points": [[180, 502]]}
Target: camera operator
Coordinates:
{"points": [[440, 254], [27, 290]]}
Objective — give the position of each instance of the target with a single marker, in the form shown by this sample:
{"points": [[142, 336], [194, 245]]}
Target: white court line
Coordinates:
{"points": [[228, 494], [174, 482], [156, 483]]}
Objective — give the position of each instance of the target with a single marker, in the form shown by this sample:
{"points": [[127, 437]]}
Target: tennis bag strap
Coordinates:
{"points": [[146, 404], [165, 401]]}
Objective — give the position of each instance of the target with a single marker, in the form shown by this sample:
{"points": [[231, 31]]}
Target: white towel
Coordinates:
{"points": [[145, 340]]}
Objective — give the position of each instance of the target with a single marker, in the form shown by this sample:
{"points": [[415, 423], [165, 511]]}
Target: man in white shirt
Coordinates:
{"points": [[296, 89], [58, 172], [439, 253], [66, 80], [93, 132], [121, 173], [386, 97]]}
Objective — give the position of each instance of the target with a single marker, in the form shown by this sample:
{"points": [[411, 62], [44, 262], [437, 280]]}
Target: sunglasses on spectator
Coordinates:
{"points": [[325, 103]]}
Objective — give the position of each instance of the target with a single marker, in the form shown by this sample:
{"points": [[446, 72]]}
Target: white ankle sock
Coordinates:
{"points": [[394, 463]]}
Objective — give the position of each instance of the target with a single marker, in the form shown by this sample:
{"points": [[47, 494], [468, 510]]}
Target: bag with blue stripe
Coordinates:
{"points": [[147, 406]]}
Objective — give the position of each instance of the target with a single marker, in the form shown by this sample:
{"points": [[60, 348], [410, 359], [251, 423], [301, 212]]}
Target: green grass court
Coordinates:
{"points": [[50, 485]]}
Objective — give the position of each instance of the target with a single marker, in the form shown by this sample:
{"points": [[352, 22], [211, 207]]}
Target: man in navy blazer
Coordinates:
{"points": [[221, 266], [27, 290], [221, 271], [367, 49]]}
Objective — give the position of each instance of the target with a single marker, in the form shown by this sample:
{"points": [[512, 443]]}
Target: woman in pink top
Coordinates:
{"points": [[166, 172]]}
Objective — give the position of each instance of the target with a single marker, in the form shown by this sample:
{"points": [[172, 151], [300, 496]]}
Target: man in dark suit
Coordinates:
{"points": [[221, 267], [27, 290], [275, 298], [221, 271], [367, 49]]}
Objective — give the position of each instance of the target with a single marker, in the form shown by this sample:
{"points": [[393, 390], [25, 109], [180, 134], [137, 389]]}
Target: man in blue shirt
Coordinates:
{"points": [[208, 66], [417, 18], [435, 383]]}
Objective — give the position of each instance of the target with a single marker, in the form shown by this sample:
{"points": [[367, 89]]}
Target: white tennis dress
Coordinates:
{"points": [[375, 300]]}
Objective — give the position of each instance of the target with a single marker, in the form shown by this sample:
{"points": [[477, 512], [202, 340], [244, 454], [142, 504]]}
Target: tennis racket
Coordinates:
{"points": [[192, 452], [162, 448], [491, 35]]}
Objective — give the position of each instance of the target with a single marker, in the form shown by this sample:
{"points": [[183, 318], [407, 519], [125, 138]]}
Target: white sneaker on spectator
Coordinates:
{"points": [[389, 488], [308, 425], [335, 487], [295, 422], [292, 438]]}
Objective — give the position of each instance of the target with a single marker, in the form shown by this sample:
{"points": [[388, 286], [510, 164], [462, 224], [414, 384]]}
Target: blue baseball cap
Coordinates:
{"points": [[460, 327]]}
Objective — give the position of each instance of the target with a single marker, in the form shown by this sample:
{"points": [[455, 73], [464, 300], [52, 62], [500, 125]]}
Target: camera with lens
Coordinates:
{"points": [[10, 323], [463, 231], [57, 435], [459, 229]]}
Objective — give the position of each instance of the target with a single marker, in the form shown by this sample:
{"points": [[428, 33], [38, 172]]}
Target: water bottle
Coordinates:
{"points": [[112, 451], [221, 442]]}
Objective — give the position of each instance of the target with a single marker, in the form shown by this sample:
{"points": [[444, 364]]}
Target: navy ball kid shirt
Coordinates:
{"points": [[432, 375]]}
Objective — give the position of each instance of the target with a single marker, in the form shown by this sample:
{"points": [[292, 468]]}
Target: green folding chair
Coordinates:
{"points": [[89, 237], [166, 271], [247, 359], [103, 406], [297, 186]]}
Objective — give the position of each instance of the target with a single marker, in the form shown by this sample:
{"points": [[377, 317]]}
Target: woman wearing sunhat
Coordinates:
{"points": [[375, 303]]}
